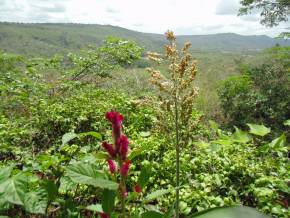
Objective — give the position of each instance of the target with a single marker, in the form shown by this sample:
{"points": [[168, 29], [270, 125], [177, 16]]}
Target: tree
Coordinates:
{"points": [[272, 11], [100, 61]]}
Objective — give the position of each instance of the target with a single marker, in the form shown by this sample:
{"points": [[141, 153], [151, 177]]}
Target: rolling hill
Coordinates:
{"points": [[47, 39]]}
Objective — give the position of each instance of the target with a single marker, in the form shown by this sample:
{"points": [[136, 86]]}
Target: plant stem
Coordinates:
{"points": [[122, 199], [177, 154], [122, 186]]}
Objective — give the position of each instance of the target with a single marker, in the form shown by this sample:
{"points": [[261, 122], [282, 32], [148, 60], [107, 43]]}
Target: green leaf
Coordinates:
{"points": [[87, 174], [94, 134], [145, 134], [5, 173], [287, 123], [152, 214], [170, 213], [240, 136], [278, 142], [101, 155], [95, 207], [156, 194], [36, 201], [51, 189], [14, 189], [259, 130], [229, 212], [68, 137], [144, 176], [108, 201], [135, 153]]}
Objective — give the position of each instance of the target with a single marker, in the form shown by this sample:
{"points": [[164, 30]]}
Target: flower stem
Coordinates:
{"points": [[122, 197], [123, 200], [177, 155]]}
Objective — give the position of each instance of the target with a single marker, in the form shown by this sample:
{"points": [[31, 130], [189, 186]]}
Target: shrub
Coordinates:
{"points": [[259, 95]]}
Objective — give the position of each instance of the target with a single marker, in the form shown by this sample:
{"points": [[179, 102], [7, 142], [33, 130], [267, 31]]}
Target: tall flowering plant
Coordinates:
{"points": [[177, 94], [118, 162]]}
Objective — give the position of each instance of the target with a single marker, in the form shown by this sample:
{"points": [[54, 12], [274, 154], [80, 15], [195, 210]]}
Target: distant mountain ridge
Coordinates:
{"points": [[47, 39]]}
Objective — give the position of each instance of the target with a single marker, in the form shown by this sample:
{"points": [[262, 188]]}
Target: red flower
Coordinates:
{"points": [[116, 119], [112, 166], [138, 188], [124, 170], [103, 215], [110, 149], [123, 144]]}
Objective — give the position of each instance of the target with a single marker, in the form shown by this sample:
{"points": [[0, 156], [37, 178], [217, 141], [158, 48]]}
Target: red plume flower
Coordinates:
{"points": [[138, 188], [124, 170], [103, 215], [123, 144], [112, 166], [110, 149], [116, 119]]}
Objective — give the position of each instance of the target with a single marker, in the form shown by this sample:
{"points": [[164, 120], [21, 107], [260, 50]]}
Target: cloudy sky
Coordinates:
{"points": [[155, 16]]}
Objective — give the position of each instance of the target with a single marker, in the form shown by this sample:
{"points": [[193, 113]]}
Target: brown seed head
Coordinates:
{"points": [[170, 35]]}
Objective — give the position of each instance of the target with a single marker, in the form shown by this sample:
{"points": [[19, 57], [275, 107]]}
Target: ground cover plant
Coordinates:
{"points": [[84, 147]]}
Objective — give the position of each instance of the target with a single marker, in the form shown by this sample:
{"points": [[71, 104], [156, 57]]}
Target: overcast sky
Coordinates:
{"points": [[155, 16]]}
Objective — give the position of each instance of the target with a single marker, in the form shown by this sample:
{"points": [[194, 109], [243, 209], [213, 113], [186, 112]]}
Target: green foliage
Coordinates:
{"points": [[259, 95], [260, 130], [100, 61], [272, 12], [230, 212], [51, 130], [88, 175]]}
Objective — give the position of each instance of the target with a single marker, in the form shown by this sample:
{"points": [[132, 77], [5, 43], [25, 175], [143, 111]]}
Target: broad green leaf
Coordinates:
{"points": [[240, 136], [68, 137], [201, 144], [95, 207], [223, 142], [102, 155], [14, 189], [135, 153], [287, 123], [156, 194], [144, 176], [259, 130], [108, 201], [94, 134], [87, 174], [170, 213], [51, 189], [66, 184], [230, 212], [152, 214], [5, 173], [36, 201], [4, 205], [278, 142]]}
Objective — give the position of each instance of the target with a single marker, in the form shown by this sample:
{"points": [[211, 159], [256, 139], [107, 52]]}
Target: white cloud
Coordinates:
{"points": [[156, 16], [227, 7]]}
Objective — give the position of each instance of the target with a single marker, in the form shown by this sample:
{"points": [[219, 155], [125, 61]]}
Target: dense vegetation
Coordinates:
{"points": [[48, 39], [259, 93], [54, 161]]}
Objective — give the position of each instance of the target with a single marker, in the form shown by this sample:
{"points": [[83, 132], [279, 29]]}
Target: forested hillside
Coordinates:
{"points": [[48, 39]]}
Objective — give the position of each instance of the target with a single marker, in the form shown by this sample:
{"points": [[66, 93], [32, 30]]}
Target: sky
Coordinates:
{"points": [[184, 17]]}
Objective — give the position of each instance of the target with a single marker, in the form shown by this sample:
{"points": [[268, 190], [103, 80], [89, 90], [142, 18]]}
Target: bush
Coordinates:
{"points": [[259, 94]]}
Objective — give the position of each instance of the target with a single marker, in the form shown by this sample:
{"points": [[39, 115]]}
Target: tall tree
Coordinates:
{"points": [[272, 11]]}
